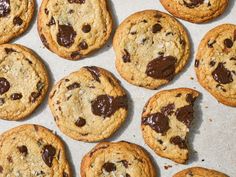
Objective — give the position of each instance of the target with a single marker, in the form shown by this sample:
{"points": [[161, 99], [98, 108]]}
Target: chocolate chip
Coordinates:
{"points": [[211, 43], [4, 85], [196, 63], [29, 61], [48, 153], [46, 11], [106, 106], [5, 8], [44, 41], [193, 3], [162, 68], [73, 86], [212, 63], [34, 96], [185, 114], [65, 174], [190, 99], [80, 122], [156, 28], [168, 110], [228, 43], [109, 167], [9, 50], [86, 28], [2, 101], [17, 21], [23, 150], [77, 1], [125, 163], [127, 175], [178, 95], [9, 158], [75, 54], [234, 35], [83, 45], [126, 56], [51, 22], [222, 75], [1, 169], [133, 32], [157, 121], [94, 71], [71, 11], [66, 35], [177, 140], [16, 96]]}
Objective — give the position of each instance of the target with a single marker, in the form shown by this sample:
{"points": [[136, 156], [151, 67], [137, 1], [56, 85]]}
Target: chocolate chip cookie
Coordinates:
{"points": [[151, 48], [74, 28], [23, 81], [32, 150], [199, 171], [215, 63], [89, 105], [15, 16], [117, 159], [166, 122], [195, 11]]}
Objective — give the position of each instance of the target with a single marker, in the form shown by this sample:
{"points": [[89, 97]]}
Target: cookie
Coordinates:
{"points": [[195, 11], [166, 121], [32, 150], [215, 63], [199, 171], [15, 17], [151, 48], [117, 159], [74, 28], [89, 105], [23, 81]]}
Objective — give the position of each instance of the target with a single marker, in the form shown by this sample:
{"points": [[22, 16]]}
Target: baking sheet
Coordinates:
{"points": [[213, 140]]}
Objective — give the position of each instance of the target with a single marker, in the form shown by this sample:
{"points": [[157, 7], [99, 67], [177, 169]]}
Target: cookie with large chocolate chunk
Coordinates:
{"points": [[15, 16], [117, 159], [23, 81], [199, 171], [89, 105], [215, 63], [32, 150], [74, 28], [166, 121], [151, 48], [195, 11]]}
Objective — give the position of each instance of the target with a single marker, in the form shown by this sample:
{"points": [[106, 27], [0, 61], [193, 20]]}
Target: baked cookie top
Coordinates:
{"points": [[23, 81], [196, 11], [74, 28], [32, 150], [117, 159], [166, 122], [199, 172], [216, 63], [151, 48], [15, 16], [89, 105]]}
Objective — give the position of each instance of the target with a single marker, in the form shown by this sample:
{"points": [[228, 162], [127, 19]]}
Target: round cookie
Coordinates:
{"points": [[74, 28], [15, 16], [89, 105], [195, 11], [151, 48], [199, 171], [32, 150], [23, 81], [166, 121], [117, 159], [215, 63]]}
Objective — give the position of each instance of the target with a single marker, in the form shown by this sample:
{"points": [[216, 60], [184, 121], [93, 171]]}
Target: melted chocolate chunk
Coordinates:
{"points": [[83, 45], [212, 63], [94, 72], [126, 56], [16, 96], [4, 8], [34, 96], [157, 121], [185, 114], [228, 43], [48, 153], [193, 3], [44, 41], [177, 140], [162, 68], [51, 22], [75, 54], [106, 106], [86, 28], [190, 99], [4, 85], [156, 28], [23, 150], [125, 163], [17, 21], [168, 110], [1, 169], [9, 50], [80, 122], [66, 35], [77, 1], [196, 63], [109, 167], [73, 86], [222, 75]]}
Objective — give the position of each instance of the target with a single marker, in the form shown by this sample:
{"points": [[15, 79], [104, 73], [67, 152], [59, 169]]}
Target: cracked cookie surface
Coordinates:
{"points": [[74, 28], [89, 105], [32, 150], [23, 81], [117, 159], [166, 121], [196, 11], [215, 63], [151, 48], [15, 16]]}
